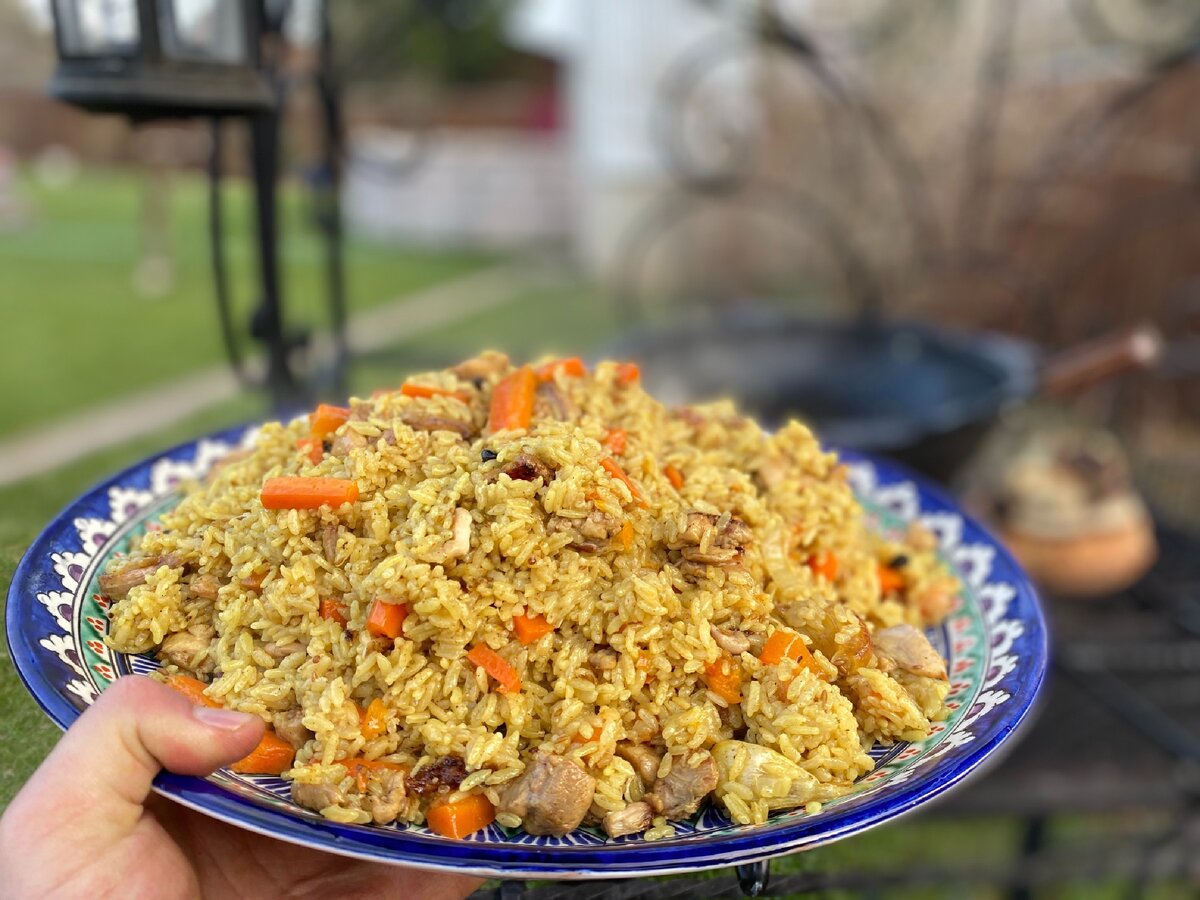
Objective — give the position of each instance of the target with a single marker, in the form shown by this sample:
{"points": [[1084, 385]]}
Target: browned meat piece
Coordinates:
{"points": [[857, 652], [441, 775], [425, 422], [183, 647], [644, 759], [205, 587], [329, 541], [551, 797], [388, 437], [527, 467], [347, 439], [116, 585], [591, 533], [317, 796], [552, 402], [730, 641], [254, 582], [633, 819], [361, 411], [679, 794], [487, 365], [713, 540], [282, 651], [459, 544], [290, 726], [384, 796], [909, 649], [599, 526], [603, 660]]}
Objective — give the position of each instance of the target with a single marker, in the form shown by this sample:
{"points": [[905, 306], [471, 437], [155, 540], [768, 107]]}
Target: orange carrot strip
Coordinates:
{"points": [[628, 373], [326, 419], [408, 389], [890, 581], [625, 536], [193, 689], [615, 440], [674, 476], [724, 679], [313, 448], [374, 720], [458, 818], [291, 492], [615, 471], [359, 768], [572, 368], [331, 609], [387, 619], [778, 645], [272, 756], [530, 628], [512, 401], [824, 564], [497, 666]]}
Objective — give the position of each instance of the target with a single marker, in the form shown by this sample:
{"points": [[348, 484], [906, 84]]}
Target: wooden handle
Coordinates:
{"points": [[1139, 347]]}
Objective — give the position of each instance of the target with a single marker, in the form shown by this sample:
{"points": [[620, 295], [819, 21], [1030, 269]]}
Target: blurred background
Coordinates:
{"points": [[965, 233]]}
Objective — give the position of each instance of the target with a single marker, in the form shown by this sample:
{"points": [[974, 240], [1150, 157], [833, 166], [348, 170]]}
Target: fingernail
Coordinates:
{"points": [[224, 719]]}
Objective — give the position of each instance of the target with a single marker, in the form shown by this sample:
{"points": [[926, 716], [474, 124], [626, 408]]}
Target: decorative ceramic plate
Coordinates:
{"points": [[994, 641]]}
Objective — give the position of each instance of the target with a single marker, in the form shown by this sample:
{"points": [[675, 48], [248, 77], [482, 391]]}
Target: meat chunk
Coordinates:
{"points": [[603, 660], [347, 440], [205, 587], [317, 796], [282, 651], [459, 544], [772, 472], [591, 533], [487, 365], [770, 776], [527, 467], [679, 794], [424, 422], [116, 585], [551, 402], [551, 797], [289, 725], [384, 796], [329, 541], [712, 540], [599, 525], [643, 758], [633, 819], [908, 649], [731, 641], [183, 649], [444, 774]]}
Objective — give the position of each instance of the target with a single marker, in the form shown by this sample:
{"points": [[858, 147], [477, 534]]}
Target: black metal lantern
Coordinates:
{"points": [[155, 58]]}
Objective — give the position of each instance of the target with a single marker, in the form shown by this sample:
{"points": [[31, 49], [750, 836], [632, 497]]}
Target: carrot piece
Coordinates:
{"points": [[784, 643], [512, 401], [615, 440], [530, 628], [387, 619], [193, 689], [890, 581], [496, 666], [272, 756], [359, 768], [674, 476], [374, 720], [824, 564], [331, 609], [615, 471], [291, 492], [327, 419], [724, 679], [458, 818], [312, 447], [628, 373], [572, 368], [408, 389], [625, 535]]}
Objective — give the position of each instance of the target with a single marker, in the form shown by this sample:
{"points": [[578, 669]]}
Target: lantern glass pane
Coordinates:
{"points": [[97, 27], [211, 31]]}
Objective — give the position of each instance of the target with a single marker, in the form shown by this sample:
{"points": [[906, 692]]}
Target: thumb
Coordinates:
{"points": [[107, 760]]}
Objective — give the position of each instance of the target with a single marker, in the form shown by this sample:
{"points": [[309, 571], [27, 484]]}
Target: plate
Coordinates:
{"points": [[994, 641]]}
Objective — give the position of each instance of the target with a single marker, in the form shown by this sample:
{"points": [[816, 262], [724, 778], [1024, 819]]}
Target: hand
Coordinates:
{"points": [[87, 825]]}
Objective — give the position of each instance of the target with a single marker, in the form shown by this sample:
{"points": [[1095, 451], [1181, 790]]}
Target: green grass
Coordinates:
{"points": [[75, 327]]}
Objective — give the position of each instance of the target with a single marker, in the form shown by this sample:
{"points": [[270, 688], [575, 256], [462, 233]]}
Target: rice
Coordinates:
{"points": [[640, 554]]}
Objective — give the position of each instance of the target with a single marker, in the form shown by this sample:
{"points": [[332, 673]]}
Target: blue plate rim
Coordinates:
{"points": [[563, 862]]}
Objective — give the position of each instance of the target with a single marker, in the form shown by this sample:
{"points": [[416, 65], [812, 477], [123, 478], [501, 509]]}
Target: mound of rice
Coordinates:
{"points": [[662, 548]]}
